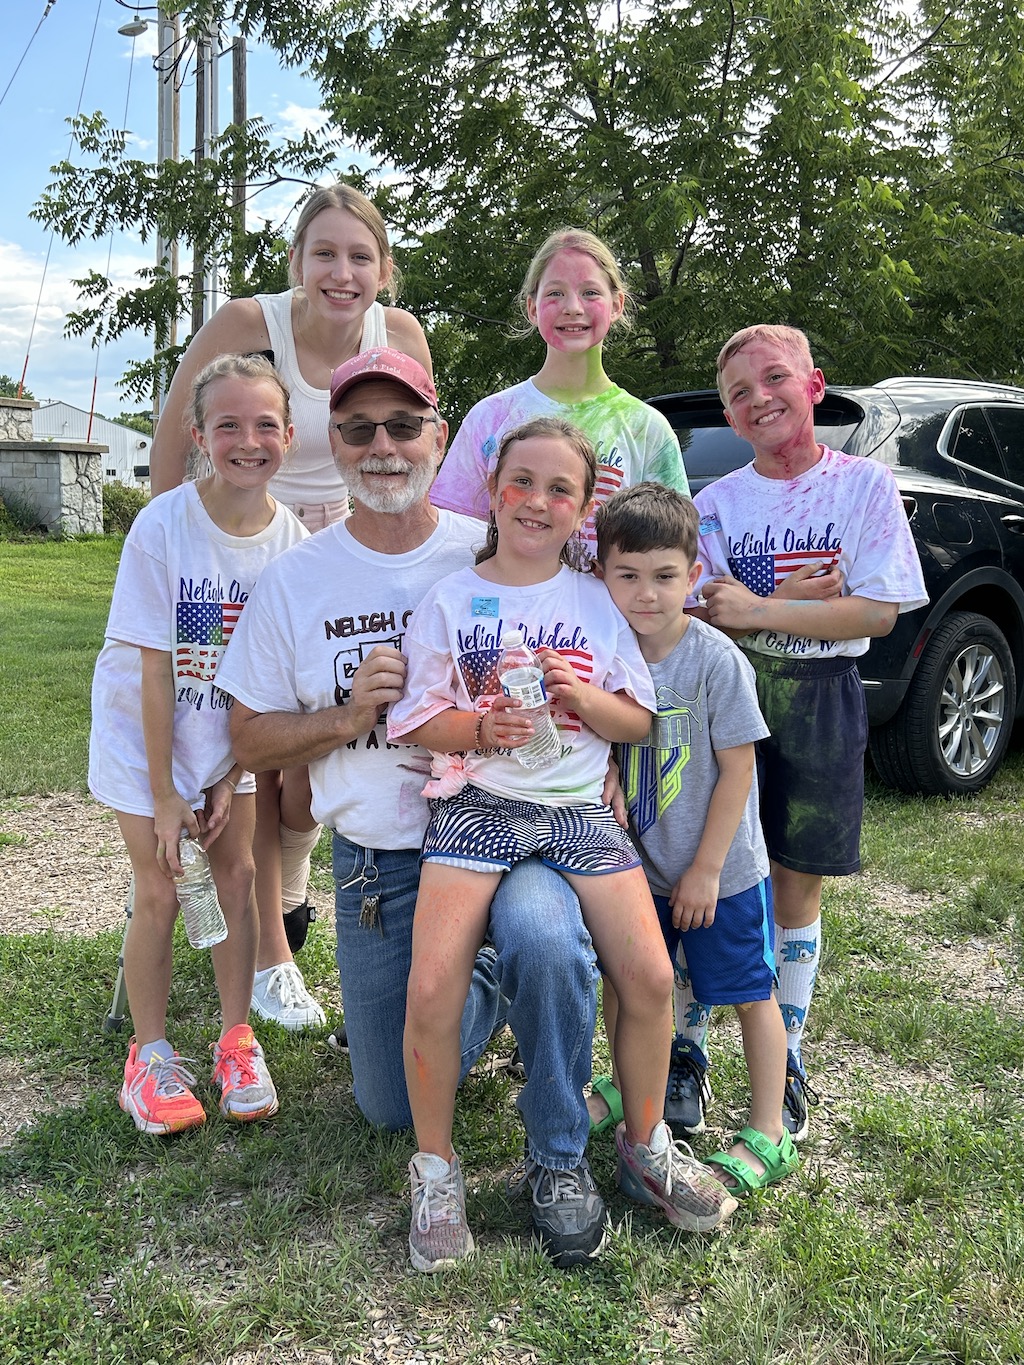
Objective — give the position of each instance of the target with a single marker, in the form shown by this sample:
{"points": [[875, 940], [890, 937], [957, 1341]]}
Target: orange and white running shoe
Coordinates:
{"points": [[240, 1069], [157, 1095]]}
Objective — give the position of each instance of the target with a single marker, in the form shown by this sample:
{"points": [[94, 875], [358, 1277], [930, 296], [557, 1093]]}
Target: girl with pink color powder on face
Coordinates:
{"points": [[573, 295]]}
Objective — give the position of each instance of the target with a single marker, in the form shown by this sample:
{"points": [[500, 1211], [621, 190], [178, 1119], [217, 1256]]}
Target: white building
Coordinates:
{"points": [[127, 460]]}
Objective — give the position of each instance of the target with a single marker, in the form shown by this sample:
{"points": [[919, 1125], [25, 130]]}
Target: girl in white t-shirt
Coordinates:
{"points": [[160, 752], [541, 492]]}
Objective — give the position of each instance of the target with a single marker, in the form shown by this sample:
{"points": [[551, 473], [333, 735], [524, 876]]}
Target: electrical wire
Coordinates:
{"points": [[49, 248], [38, 26], [110, 253]]}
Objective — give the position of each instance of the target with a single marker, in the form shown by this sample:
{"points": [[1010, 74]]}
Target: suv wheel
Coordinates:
{"points": [[951, 732]]}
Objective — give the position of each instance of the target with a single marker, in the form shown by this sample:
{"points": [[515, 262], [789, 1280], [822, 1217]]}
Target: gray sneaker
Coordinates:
{"points": [[570, 1221], [438, 1234]]}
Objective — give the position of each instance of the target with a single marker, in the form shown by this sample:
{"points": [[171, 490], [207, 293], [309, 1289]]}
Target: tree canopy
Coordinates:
{"points": [[9, 388], [851, 168]]}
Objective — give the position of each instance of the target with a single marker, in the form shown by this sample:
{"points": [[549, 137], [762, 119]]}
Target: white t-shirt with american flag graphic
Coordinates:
{"points": [[632, 442], [181, 585], [844, 510], [453, 648]]}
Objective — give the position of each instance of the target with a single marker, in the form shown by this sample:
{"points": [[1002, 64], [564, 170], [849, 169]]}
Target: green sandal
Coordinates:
{"points": [[778, 1161], [602, 1085]]}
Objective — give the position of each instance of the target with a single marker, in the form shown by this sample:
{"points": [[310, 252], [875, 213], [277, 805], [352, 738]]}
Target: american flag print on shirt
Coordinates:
{"points": [[479, 671], [762, 574], [204, 628]]}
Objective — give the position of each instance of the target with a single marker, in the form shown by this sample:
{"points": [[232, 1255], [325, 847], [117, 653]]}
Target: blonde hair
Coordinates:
{"points": [[350, 200], [573, 239], [256, 368], [574, 553], [791, 339]]}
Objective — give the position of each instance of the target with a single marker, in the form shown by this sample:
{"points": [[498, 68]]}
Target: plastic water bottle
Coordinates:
{"points": [[197, 896], [522, 677]]}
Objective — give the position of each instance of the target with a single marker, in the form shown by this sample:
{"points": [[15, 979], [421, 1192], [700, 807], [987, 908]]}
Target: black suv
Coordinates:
{"points": [[943, 689]]}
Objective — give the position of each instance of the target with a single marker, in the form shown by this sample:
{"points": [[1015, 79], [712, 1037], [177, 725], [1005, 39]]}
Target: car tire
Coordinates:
{"points": [[951, 731]]}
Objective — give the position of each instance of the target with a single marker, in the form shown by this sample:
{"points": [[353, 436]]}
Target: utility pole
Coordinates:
{"points": [[168, 140], [239, 187]]}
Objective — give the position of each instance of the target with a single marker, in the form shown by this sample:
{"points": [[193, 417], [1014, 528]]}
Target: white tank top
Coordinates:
{"points": [[309, 474]]}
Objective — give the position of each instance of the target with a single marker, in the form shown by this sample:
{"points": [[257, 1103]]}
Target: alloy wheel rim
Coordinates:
{"points": [[972, 710]]}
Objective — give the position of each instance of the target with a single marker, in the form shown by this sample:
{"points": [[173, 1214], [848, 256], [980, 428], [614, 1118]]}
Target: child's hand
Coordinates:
{"points": [[731, 606], [170, 816], [613, 795], [813, 582], [694, 898], [561, 680], [215, 817], [504, 726], [378, 681]]}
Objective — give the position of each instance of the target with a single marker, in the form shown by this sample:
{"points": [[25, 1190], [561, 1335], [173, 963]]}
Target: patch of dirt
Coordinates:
{"points": [[970, 972], [62, 866]]}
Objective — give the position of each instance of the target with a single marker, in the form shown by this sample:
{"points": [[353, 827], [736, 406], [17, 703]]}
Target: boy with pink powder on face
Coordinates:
{"points": [[808, 555]]}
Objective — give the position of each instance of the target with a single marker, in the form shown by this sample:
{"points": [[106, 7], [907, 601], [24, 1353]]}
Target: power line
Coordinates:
{"points": [[38, 26], [49, 248]]}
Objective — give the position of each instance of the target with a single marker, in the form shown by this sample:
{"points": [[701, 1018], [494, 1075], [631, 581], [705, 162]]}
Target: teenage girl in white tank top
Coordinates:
{"points": [[339, 261]]}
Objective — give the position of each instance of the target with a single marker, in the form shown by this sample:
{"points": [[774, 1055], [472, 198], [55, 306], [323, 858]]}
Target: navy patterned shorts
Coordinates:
{"points": [[811, 768], [488, 833]]}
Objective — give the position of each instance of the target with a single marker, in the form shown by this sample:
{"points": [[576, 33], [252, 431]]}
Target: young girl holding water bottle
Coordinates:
{"points": [[160, 754], [491, 811]]}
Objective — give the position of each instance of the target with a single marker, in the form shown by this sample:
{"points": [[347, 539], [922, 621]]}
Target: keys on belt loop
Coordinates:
{"points": [[366, 878]]}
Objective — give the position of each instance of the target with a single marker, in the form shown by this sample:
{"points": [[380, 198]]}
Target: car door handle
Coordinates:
{"points": [[1013, 523]]}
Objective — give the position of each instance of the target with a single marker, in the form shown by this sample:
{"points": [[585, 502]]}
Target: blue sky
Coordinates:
{"points": [[45, 92]]}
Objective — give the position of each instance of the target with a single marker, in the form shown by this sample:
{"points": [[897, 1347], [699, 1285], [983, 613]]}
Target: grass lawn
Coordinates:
{"points": [[54, 597], [900, 1240]]}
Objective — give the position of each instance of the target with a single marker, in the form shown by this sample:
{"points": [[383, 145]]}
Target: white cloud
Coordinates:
{"points": [[63, 367], [295, 119]]}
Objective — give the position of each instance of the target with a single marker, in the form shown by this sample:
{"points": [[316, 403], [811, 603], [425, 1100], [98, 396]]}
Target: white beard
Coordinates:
{"points": [[398, 499]]}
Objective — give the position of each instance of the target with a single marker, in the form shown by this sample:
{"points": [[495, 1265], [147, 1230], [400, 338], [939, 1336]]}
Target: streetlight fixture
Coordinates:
{"points": [[134, 29]]}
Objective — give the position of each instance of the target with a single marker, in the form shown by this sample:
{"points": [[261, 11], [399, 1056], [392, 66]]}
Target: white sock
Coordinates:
{"points": [[691, 1016], [296, 846], [797, 952]]}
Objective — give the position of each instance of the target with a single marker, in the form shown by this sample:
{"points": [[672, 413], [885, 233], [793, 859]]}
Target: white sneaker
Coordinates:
{"points": [[279, 994]]}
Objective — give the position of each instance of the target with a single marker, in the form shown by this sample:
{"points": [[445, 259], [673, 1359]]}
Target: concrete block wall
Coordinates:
{"points": [[62, 479]]}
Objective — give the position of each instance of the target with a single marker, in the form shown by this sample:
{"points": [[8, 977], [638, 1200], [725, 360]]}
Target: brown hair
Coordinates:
{"points": [[352, 201], [645, 517], [573, 553], [573, 239], [790, 338]]}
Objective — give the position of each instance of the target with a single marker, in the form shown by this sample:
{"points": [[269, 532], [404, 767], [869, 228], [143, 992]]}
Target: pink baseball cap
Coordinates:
{"points": [[381, 362]]}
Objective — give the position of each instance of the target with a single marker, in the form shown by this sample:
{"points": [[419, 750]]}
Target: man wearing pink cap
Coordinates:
{"points": [[313, 666]]}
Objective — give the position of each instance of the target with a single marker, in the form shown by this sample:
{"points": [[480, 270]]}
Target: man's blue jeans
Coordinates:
{"points": [[545, 985]]}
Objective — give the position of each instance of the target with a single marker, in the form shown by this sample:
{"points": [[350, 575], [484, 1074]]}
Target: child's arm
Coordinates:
{"points": [[734, 608], [171, 814], [461, 732], [695, 895], [614, 716]]}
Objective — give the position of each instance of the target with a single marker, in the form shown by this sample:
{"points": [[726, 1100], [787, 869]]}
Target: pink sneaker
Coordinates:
{"points": [[668, 1175], [157, 1095], [240, 1069]]}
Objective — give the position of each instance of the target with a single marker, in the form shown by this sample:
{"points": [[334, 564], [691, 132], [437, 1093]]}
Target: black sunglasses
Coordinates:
{"points": [[398, 428]]}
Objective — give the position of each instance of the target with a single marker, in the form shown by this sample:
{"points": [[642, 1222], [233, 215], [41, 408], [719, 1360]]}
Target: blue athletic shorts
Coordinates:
{"points": [[810, 769], [732, 960], [489, 833]]}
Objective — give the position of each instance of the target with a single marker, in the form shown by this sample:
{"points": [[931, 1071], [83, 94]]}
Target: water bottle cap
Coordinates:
{"points": [[511, 637]]}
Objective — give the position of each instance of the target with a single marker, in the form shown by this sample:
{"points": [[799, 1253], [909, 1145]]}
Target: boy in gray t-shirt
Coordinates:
{"points": [[693, 808]]}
